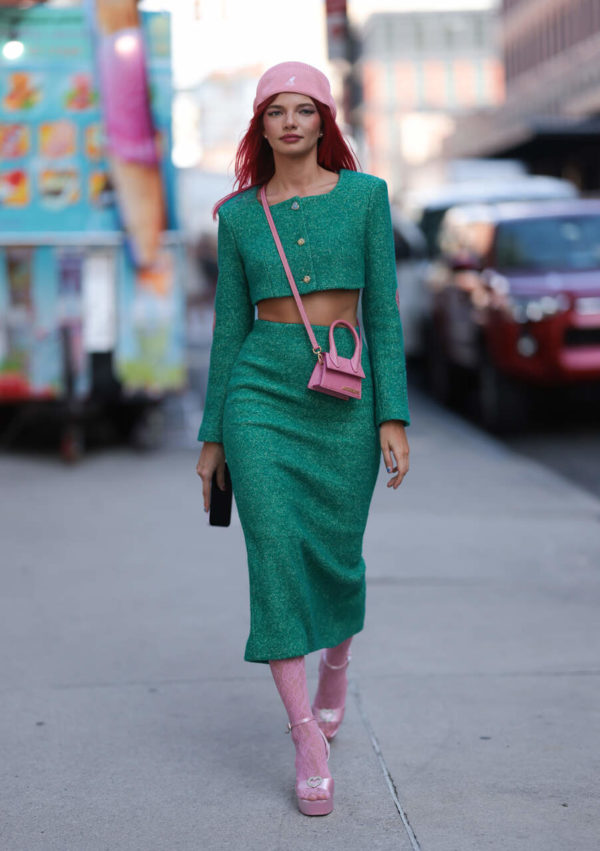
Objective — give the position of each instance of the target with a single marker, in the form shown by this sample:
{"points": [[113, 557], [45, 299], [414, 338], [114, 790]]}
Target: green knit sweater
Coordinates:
{"points": [[339, 240]]}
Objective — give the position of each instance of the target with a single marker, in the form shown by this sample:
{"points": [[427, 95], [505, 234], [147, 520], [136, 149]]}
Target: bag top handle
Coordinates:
{"points": [[355, 360]]}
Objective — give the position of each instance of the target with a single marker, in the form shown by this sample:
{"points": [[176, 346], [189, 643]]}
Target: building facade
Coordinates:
{"points": [[551, 118], [420, 72]]}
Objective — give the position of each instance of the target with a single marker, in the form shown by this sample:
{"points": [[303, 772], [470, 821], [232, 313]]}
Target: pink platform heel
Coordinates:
{"points": [[320, 807], [330, 720]]}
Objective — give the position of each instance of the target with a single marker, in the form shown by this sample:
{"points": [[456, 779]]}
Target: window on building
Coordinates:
{"points": [[418, 34], [562, 30], [479, 31], [480, 81], [388, 42], [420, 84], [450, 85]]}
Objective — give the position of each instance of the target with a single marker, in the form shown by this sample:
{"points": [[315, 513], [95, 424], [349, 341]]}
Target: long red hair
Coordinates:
{"points": [[254, 163]]}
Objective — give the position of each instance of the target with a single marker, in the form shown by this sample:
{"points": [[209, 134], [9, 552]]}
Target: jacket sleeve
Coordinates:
{"points": [[380, 313], [234, 316]]}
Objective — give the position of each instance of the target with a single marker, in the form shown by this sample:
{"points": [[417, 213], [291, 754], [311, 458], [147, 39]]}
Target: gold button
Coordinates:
{"points": [[300, 241], [306, 279]]}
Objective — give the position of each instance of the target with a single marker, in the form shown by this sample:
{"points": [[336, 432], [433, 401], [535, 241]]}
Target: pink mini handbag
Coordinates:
{"points": [[333, 374]]}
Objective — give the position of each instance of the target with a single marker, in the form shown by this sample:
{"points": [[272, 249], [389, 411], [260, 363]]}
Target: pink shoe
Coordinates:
{"points": [[323, 806], [329, 720]]}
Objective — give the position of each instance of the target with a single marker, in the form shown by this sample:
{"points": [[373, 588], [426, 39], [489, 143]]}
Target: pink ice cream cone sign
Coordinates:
{"points": [[129, 127]]}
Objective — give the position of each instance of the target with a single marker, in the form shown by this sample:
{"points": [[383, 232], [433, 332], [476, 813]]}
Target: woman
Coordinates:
{"points": [[303, 464]]}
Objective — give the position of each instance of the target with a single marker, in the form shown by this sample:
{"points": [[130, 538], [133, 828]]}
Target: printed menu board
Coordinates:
{"points": [[53, 173]]}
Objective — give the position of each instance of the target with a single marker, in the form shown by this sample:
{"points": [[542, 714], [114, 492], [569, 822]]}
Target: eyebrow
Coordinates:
{"points": [[298, 105]]}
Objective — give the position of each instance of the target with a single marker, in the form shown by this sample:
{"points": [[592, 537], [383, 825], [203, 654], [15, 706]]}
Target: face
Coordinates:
{"points": [[292, 124]]}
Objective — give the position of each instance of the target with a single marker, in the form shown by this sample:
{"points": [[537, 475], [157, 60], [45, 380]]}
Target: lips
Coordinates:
{"points": [[290, 138]]}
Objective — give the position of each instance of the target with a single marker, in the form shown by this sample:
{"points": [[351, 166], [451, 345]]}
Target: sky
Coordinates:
{"points": [[233, 34]]}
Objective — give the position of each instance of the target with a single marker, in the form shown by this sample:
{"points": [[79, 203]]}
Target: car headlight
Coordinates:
{"points": [[535, 308], [587, 305]]}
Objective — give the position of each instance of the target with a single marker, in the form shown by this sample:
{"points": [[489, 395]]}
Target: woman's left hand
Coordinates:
{"points": [[394, 446]]}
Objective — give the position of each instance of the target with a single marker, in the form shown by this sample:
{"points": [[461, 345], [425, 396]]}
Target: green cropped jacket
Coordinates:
{"points": [[339, 240]]}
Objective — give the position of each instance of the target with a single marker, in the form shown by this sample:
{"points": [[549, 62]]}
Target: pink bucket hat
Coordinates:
{"points": [[294, 77]]}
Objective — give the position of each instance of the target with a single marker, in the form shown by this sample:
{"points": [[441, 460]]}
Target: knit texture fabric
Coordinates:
{"points": [[294, 77], [303, 467], [342, 239]]}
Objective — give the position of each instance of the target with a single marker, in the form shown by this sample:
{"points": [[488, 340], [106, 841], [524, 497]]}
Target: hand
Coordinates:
{"points": [[212, 457], [394, 445]]}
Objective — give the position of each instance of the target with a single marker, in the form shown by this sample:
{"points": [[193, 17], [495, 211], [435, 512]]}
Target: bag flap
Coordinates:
{"points": [[344, 365]]}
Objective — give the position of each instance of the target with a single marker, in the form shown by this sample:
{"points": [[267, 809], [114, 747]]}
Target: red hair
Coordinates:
{"points": [[254, 163]]}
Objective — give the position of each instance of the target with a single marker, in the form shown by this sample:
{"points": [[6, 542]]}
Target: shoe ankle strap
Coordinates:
{"points": [[291, 726], [335, 667]]}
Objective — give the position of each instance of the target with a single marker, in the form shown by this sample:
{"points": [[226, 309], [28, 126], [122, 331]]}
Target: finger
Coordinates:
{"points": [[221, 475], [387, 457], [400, 454], [206, 493], [397, 480]]}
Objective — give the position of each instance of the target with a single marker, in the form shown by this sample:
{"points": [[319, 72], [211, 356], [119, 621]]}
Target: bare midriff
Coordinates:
{"points": [[322, 308]]}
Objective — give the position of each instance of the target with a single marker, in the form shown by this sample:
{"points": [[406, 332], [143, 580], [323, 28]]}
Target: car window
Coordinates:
{"points": [[549, 243], [429, 223]]}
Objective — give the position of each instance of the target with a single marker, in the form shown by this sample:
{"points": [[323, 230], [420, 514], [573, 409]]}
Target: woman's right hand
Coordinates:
{"points": [[212, 457]]}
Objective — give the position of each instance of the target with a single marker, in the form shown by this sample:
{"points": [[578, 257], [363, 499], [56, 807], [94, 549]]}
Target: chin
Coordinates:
{"points": [[295, 150]]}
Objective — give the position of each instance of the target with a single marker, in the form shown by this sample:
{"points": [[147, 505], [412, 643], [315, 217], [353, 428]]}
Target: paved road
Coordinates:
{"points": [[129, 721], [563, 434], [570, 446]]}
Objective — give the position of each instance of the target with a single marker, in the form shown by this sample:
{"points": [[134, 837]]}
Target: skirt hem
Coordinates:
{"points": [[303, 651]]}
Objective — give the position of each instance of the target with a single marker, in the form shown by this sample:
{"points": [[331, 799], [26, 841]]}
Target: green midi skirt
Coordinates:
{"points": [[303, 467]]}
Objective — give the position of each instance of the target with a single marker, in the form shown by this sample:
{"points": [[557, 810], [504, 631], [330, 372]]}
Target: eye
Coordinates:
{"points": [[307, 111], [273, 112]]}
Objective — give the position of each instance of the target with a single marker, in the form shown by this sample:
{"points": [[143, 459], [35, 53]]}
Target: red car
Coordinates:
{"points": [[515, 304]]}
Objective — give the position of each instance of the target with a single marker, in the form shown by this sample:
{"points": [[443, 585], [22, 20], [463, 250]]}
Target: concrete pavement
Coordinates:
{"points": [[130, 721]]}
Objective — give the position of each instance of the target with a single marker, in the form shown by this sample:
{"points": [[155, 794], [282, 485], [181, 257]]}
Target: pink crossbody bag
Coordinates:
{"points": [[333, 374]]}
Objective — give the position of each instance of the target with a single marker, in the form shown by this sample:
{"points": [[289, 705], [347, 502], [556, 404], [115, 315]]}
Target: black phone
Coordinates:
{"points": [[220, 501]]}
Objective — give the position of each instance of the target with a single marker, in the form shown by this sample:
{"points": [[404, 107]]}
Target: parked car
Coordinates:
{"points": [[426, 209], [411, 256], [515, 299]]}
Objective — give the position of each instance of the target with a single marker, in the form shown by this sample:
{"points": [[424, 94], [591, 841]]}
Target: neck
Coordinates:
{"points": [[293, 176]]}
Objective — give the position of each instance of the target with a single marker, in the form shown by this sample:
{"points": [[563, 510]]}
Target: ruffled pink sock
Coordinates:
{"points": [[311, 754]]}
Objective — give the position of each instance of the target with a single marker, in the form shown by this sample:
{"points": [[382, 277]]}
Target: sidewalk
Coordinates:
{"points": [[130, 722]]}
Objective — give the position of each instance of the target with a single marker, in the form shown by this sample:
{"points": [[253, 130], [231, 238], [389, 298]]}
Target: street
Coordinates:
{"points": [[130, 720], [570, 446]]}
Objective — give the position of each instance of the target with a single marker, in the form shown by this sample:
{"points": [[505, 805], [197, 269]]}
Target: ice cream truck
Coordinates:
{"points": [[91, 259]]}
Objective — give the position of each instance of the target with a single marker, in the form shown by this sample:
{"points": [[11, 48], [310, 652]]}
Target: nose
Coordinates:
{"points": [[290, 119]]}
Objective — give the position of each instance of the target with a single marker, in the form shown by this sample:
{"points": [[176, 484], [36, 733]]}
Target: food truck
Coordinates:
{"points": [[91, 259]]}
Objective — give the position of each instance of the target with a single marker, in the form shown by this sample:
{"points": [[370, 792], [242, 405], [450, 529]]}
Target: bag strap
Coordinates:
{"points": [[315, 346]]}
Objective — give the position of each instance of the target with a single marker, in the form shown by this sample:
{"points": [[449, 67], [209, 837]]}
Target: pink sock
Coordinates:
{"points": [[331, 692], [311, 757]]}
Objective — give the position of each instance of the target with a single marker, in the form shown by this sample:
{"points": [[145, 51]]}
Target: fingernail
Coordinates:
{"points": [[389, 469], [206, 510]]}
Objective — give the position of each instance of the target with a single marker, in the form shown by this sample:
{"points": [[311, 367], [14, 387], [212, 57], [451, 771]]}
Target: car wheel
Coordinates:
{"points": [[503, 405], [438, 369], [447, 382], [71, 443], [148, 431]]}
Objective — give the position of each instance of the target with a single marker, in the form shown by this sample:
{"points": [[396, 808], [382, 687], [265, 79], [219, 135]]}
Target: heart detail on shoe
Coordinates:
{"points": [[313, 782], [328, 715]]}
